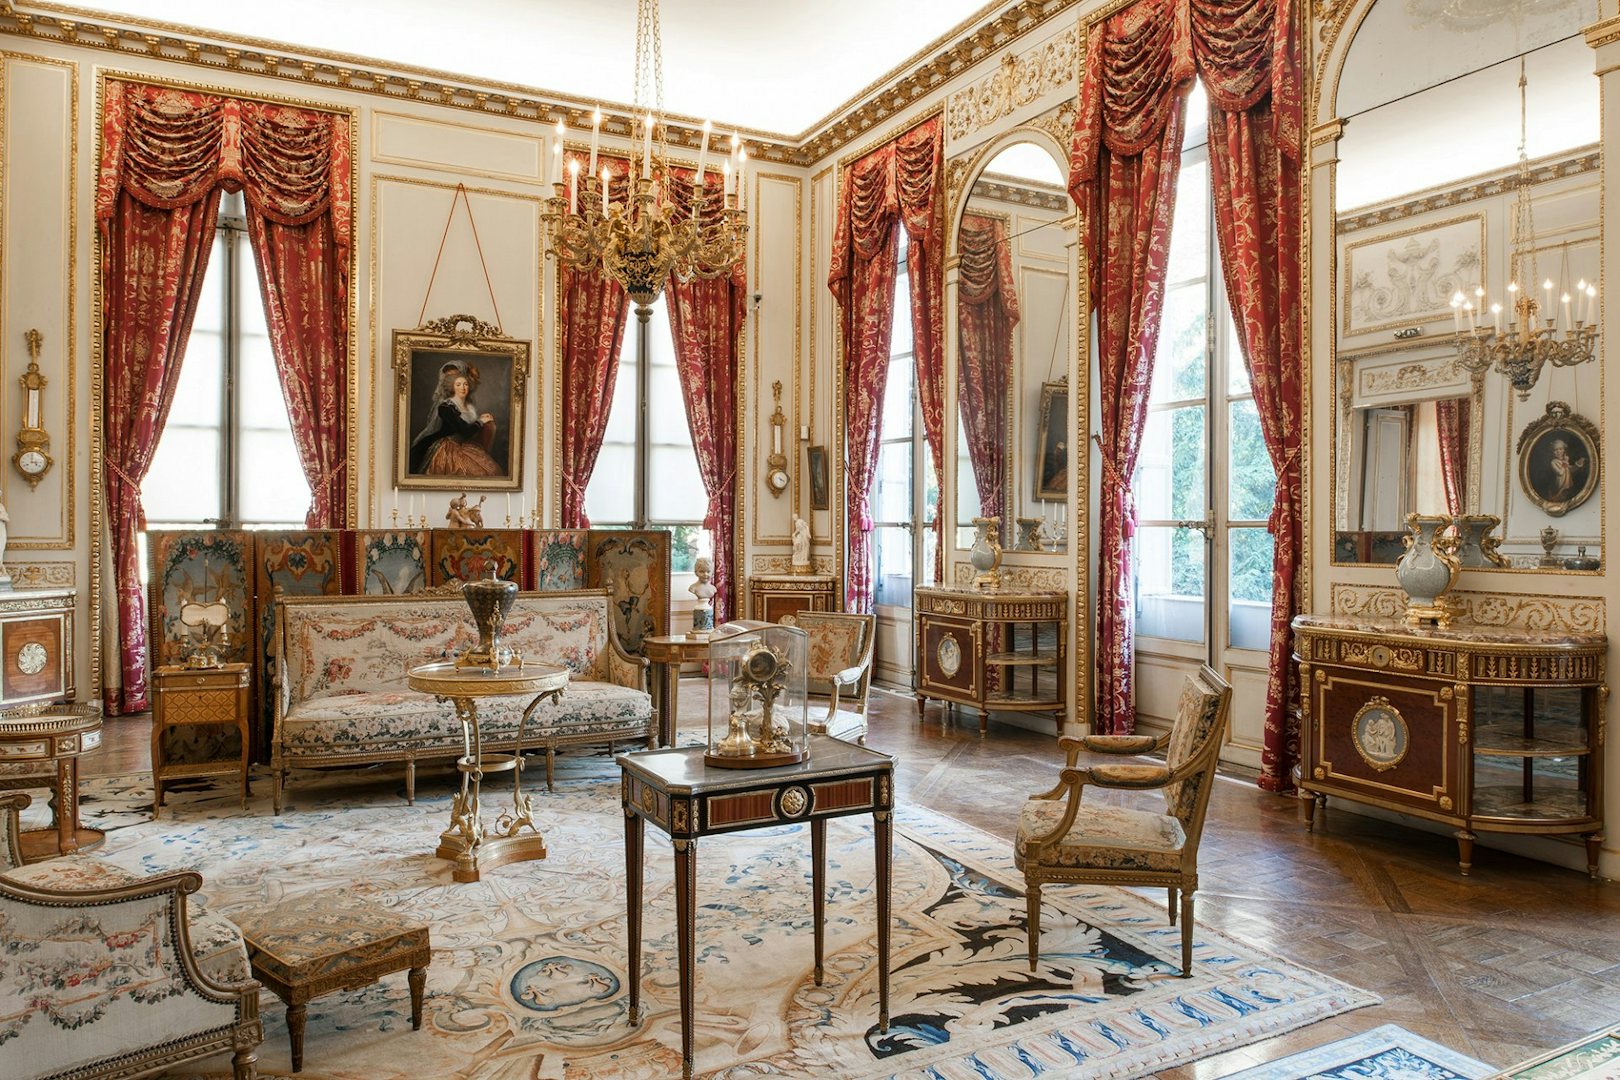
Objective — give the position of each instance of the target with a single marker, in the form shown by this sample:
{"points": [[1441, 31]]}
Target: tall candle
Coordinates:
{"points": [[646, 147], [726, 171], [607, 174], [742, 188], [556, 154], [596, 137], [573, 186], [1456, 311], [1580, 299], [1496, 317], [1565, 301], [703, 152]]}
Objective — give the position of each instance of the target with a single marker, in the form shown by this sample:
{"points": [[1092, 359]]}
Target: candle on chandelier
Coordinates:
{"points": [[607, 175], [596, 137], [573, 186], [1472, 325], [556, 154], [1496, 318], [703, 153], [1546, 307], [725, 170], [1580, 300], [646, 147], [1456, 310], [742, 188], [1591, 304], [1565, 300]]}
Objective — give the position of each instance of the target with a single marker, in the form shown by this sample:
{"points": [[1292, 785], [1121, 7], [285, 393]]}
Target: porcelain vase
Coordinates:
{"points": [[1476, 546], [985, 555], [489, 599], [1428, 569]]}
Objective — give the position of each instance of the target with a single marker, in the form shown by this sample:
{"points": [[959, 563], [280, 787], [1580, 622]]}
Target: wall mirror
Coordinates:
{"points": [[1015, 317], [1446, 232]]}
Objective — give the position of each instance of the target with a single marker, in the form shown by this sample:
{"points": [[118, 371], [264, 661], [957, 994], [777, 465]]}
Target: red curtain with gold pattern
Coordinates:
{"points": [[900, 182], [166, 156], [706, 317], [987, 311], [1247, 54], [1124, 162], [1451, 417]]}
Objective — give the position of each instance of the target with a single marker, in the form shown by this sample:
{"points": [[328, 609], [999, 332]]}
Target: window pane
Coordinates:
{"points": [[259, 399], [210, 318], [1237, 372], [1170, 583], [900, 340], [199, 393], [1251, 484], [891, 570], [891, 494], [897, 398], [666, 408], [1189, 230], [621, 425], [686, 543], [610, 497], [1169, 480], [182, 485], [1250, 588], [674, 485], [1180, 361], [270, 481]]}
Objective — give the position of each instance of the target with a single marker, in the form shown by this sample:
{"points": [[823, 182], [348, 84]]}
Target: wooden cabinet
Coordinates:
{"points": [[184, 696], [1000, 650], [771, 596], [1484, 729], [36, 646]]}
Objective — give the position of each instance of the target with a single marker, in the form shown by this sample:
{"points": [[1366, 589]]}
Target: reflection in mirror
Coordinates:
{"points": [[1429, 210], [1014, 325]]}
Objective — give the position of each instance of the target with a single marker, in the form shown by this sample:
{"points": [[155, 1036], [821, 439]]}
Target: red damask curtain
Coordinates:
{"points": [[898, 182], [1451, 417], [166, 156], [987, 311], [706, 317], [1123, 167], [592, 318], [1248, 56]]}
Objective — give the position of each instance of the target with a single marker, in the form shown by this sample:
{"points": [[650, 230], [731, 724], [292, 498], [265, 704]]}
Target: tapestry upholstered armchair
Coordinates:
{"points": [[1061, 839], [840, 674], [106, 973]]}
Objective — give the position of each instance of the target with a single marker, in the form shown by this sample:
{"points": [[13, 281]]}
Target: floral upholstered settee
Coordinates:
{"points": [[107, 973], [342, 698]]}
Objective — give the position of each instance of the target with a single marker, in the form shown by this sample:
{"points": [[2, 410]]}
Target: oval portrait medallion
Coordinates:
{"points": [[1380, 734], [949, 655], [31, 658]]}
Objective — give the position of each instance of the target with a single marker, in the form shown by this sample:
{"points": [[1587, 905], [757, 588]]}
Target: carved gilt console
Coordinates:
{"points": [[1487, 729], [999, 650]]}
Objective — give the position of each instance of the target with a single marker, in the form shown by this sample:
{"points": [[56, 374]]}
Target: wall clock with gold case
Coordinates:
{"points": [[33, 457]]}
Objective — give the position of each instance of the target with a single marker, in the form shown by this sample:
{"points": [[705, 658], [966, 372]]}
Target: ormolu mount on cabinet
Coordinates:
{"points": [[33, 458], [776, 474]]}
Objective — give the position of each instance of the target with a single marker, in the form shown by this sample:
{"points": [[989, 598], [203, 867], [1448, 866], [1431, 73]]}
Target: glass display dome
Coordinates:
{"points": [[758, 711]]}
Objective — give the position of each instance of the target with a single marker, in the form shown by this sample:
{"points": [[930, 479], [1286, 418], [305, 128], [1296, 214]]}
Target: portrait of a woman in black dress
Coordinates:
{"points": [[457, 437]]}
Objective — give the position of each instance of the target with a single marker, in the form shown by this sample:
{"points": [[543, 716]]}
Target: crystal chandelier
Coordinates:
{"points": [[1537, 334], [640, 229]]}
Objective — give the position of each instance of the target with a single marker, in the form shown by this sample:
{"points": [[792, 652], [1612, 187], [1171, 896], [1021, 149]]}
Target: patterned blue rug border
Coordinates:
{"points": [[1384, 1052]]}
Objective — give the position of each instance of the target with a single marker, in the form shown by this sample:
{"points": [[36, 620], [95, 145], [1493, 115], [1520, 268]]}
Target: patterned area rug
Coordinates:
{"points": [[529, 964], [1596, 1057], [1385, 1053]]}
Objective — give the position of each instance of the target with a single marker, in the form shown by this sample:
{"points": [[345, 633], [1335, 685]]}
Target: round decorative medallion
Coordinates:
{"points": [[1380, 734], [794, 801], [949, 655], [31, 658], [1379, 656], [560, 984]]}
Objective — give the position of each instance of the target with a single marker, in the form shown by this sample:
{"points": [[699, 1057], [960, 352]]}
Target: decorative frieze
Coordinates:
{"points": [[1020, 80], [1562, 614]]}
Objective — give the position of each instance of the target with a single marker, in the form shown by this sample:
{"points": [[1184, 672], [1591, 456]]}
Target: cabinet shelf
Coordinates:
{"points": [[1022, 659], [1509, 740], [1507, 801], [1022, 700]]}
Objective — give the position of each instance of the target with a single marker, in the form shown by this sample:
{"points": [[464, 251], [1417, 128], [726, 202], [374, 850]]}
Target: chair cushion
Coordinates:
{"points": [[216, 943], [320, 936], [389, 720], [1196, 715], [841, 725], [1102, 837]]}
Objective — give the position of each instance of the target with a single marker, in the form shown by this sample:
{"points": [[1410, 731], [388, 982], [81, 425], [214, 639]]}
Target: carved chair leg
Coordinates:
{"points": [[551, 761], [1032, 925], [280, 777], [1307, 810], [295, 1034], [1172, 891], [1186, 933], [242, 1064], [418, 981], [410, 781]]}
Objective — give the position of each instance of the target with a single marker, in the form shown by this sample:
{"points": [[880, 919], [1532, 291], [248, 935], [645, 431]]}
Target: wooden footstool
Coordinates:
{"points": [[309, 946]]}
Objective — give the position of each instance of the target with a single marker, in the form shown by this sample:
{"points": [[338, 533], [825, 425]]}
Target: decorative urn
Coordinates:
{"points": [[1476, 547], [985, 554], [490, 599], [1428, 569]]}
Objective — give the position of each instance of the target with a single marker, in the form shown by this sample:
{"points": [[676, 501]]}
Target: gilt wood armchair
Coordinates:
{"points": [[840, 675], [1063, 840]]}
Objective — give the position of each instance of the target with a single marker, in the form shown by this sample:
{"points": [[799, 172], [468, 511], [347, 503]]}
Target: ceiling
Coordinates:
{"points": [[772, 67]]}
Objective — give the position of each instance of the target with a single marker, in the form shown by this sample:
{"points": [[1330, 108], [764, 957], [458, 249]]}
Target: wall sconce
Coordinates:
{"points": [[776, 474]]}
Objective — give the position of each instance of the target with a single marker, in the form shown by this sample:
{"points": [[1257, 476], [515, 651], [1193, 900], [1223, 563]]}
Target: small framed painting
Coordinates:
{"points": [[1052, 443], [820, 496], [1559, 461], [458, 420]]}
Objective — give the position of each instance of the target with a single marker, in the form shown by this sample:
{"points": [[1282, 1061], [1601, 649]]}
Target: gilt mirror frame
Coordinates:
{"points": [[1330, 36]]}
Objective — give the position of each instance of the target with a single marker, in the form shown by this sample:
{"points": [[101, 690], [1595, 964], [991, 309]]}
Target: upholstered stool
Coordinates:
{"points": [[308, 946]]}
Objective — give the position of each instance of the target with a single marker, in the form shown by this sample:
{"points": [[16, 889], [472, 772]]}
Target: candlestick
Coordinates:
{"points": [[596, 137]]}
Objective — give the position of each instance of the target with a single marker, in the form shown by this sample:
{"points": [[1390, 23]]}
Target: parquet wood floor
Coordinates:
{"points": [[1516, 959]]}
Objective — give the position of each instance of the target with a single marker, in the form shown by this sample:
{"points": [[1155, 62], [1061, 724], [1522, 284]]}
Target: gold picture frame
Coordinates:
{"points": [[460, 385], [1559, 459], [1052, 443]]}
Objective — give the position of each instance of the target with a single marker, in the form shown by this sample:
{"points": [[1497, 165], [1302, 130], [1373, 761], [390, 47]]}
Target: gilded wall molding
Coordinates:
{"points": [[1020, 194], [1559, 614], [783, 564], [1031, 578], [1020, 80], [42, 575], [1483, 187]]}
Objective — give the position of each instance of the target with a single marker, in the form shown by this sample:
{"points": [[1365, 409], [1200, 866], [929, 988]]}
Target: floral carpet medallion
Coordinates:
{"points": [[530, 968]]}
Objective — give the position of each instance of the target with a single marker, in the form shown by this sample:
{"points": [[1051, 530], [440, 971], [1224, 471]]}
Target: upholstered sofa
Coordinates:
{"points": [[105, 973], [341, 696]]}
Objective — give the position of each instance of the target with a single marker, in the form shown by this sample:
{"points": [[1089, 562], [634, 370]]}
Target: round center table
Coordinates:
{"points": [[53, 737], [469, 842]]}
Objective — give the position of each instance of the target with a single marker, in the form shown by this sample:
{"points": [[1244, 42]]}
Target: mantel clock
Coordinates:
{"points": [[33, 458]]}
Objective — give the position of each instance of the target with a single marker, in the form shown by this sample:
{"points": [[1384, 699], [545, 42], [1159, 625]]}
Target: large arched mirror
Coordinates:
{"points": [[1456, 244], [1015, 321]]}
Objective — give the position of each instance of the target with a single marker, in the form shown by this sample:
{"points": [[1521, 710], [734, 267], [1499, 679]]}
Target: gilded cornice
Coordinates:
{"points": [[1606, 32], [1019, 80], [921, 74], [1486, 186], [1040, 197]]}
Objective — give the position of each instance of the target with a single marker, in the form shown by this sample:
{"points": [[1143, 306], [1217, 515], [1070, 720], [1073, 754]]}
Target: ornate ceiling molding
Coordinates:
{"points": [[1023, 194], [1020, 80], [1500, 183]]}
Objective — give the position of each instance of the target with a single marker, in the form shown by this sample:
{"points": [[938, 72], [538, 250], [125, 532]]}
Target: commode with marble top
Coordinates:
{"points": [[1487, 729]]}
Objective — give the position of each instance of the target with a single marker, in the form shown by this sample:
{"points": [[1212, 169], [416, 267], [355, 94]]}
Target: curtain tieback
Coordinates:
{"points": [[1281, 501], [866, 522], [1111, 472], [122, 475], [327, 476]]}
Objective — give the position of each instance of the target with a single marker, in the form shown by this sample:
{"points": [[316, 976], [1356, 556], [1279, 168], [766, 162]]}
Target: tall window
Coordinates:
{"points": [[226, 456], [902, 511], [1204, 480], [647, 475]]}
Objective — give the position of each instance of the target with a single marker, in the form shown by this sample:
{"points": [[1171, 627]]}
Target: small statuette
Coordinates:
{"points": [[1549, 544], [801, 546], [703, 610], [460, 515]]}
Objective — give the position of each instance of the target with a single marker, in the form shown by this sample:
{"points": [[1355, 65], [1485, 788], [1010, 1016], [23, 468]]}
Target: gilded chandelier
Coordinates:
{"points": [[1537, 334], [646, 234]]}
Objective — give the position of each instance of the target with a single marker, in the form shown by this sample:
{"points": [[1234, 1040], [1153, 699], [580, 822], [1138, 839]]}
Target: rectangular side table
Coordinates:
{"points": [[688, 799], [187, 695]]}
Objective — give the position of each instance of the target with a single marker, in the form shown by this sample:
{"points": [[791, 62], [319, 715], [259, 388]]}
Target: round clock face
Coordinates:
{"points": [[778, 479], [31, 658], [31, 462]]}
